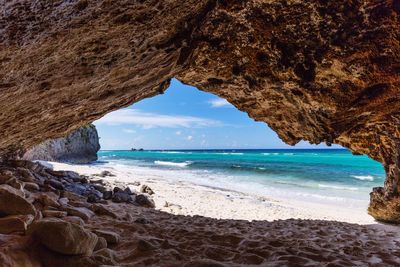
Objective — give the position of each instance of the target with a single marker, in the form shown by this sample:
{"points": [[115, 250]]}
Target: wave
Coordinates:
{"points": [[337, 187], [229, 153], [173, 152], [267, 154], [173, 164], [363, 177], [288, 154]]}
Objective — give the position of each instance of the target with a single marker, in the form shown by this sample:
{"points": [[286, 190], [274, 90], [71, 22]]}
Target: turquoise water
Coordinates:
{"points": [[331, 175]]}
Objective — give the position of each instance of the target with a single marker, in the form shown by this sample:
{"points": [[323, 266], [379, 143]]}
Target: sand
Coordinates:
{"points": [[184, 198]]}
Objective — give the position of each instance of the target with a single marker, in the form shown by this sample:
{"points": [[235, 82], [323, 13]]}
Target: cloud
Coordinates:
{"points": [[178, 132], [189, 137], [128, 131], [149, 120], [219, 103]]}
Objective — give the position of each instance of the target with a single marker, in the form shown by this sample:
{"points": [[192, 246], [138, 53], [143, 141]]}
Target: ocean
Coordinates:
{"points": [[330, 176]]}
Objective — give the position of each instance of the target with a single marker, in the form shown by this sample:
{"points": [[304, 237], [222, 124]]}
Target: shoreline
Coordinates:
{"points": [[187, 198]]}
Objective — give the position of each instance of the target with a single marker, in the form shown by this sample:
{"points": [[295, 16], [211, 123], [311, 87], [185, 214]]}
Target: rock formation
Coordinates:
{"points": [[321, 71], [80, 146]]}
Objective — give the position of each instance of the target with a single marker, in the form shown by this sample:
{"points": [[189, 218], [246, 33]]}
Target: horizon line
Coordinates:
{"points": [[153, 149]]}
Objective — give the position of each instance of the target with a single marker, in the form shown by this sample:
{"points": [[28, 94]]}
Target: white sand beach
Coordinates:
{"points": [[185, 198]]}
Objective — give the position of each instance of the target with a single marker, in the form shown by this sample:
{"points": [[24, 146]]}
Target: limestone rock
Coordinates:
{"points": [[12, 202], [31, 186], [84, 213], [110, 237], [144, 201], [101, 243], [103, 210], [54, 213], [80, 146], [15, 223], [74, 219], [63, 237], [47, 199]]}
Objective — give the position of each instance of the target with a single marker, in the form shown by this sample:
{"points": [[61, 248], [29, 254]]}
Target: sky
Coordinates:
{"points": [[186, 118]]}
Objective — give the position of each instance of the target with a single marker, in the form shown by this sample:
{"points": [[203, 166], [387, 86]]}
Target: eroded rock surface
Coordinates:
{"points": [[80, 146], [321, 71]]}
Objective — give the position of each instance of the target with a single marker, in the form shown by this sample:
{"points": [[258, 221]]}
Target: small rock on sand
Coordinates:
{"points": [[146, 189], [144, 201]]}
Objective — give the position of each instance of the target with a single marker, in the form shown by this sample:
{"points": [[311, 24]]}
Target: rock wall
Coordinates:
{"points": [[80, 146], [321, 71]]}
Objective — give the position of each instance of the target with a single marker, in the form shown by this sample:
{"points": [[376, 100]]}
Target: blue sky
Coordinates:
{"points": [[185, 118]]}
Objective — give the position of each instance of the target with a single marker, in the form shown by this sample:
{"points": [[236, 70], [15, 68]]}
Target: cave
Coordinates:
{"points": [[323, 72]]}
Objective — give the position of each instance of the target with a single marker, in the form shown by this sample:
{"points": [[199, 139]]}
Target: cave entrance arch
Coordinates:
{"points": [[317, 71], [174, 126]]}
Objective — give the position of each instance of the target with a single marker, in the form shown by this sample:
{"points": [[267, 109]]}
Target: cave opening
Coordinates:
{"points": [[187, 135]]}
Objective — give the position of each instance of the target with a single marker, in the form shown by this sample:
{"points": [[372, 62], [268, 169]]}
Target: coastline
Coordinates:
{"points": [[186, 198]]}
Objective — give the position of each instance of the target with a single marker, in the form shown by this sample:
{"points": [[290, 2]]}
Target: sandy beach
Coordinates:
{"points": [[185, 198]]}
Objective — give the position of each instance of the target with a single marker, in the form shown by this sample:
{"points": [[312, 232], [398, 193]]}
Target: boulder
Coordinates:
{"points": [[26, 175], [100, 209], [48, 199], [5, 176], [101, 243], [12, 202], [54, 213], [31, 186], [128, 191], [105, 174], [110, 237], [144, 201], [75, 220], [55, 184], [93, 198], [81, 212], [107, 195], [121, 197], [15, 223], [63, 237]]}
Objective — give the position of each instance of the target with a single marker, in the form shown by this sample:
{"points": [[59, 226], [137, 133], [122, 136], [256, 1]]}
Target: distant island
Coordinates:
{"points": [[134, 149]]}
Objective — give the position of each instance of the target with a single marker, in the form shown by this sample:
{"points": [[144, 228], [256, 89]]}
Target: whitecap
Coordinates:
{"points": [[338, 187], [173, 164], [363, 177]]}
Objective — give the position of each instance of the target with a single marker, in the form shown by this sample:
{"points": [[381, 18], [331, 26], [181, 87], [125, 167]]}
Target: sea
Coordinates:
{"points": [[326, 176]]}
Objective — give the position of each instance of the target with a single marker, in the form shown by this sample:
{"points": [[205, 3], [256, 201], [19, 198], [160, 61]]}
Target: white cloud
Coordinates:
{"points": [[149, 120], [189, 137], [178, 132], [219, 103], [128, 131]]}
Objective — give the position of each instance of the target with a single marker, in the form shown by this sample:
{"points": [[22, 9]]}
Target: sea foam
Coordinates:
{"points": [[173, 164], [363, 177]]}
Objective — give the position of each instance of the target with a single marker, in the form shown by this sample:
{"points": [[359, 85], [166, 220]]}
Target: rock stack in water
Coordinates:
{"points": [[47, 216]]}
